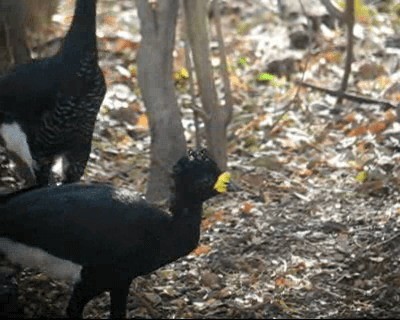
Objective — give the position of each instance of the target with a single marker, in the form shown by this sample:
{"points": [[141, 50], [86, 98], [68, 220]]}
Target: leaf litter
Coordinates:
{"points": [[315, 231]]}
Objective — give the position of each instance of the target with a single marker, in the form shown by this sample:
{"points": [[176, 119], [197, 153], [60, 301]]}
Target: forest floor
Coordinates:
{"points": [[315, 233]]}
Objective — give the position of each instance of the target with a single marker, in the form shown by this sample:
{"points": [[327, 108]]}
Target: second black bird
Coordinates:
{"points": [[48, 107]]}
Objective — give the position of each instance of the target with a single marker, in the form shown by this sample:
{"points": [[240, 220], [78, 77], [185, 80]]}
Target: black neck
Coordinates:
{"points": [[180, 203], [82, 33], [186, 222]]}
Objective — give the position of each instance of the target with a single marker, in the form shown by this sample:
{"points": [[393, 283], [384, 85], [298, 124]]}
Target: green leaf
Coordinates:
{"points": [[265, 76], [243, 62]]}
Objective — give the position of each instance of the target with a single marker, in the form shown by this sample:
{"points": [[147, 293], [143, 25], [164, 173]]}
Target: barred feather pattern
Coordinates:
{"points": [[67, 130]]}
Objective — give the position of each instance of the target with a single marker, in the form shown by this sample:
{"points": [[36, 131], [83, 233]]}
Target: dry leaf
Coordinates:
{"points": [[218, 216], [179, 59], [371, 70], [333, 56], [68, 20], [281, 282], [246, 207], [287, 95], [210, 221], [358, 131], [374, 127], [238, 84], [202, 249], [351, 117], [305, 173], [142, 122], [155, 299], [210, 279], [301, 266], [122, 44], [356, 164], [392, 91], [382, 82], [206, 224], [124, 142], [254, 180], [377, 127], [251, 126], [268, 162], [110, 20], [390, 115], [371, 186]]}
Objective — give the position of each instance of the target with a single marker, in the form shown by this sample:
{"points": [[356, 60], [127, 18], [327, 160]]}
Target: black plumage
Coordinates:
{"points": [[114, 235], [54, 101]]}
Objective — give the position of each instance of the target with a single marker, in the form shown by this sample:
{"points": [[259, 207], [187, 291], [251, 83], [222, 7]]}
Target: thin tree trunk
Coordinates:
{"points": [[16, 16], [13, 45], [223, 63], [216, 116], [350, 19], [157, 87]]}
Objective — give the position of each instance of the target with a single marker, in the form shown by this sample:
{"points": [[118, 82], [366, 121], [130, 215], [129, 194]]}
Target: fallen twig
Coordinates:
{"points": [[333, 10], [386, 241], [348, 96], [200, 112]]}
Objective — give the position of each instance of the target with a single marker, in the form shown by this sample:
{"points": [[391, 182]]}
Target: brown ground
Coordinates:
{"points": [[308, 237]]}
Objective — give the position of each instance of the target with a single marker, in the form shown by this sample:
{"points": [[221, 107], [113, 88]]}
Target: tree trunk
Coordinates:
{"points": [[39, 13], [13, 46], [157, 87], [216, 116], [15, 17]]}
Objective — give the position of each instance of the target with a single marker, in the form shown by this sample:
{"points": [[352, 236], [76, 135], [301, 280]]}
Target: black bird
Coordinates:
{"points": [[107, 236], [48, 107]]}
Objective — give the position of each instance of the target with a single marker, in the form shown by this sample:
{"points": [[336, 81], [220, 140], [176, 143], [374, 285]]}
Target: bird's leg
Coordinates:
{"points": [[43, 171], [119, 296], [74, 164], [85, 289]]}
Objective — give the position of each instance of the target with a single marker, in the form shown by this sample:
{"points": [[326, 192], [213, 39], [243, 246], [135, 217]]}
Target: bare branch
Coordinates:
{"points": [[200, 112], [333, 10], [347, 96], [349, 16], [7, 40], [223, 64], [189, 67], [215, 129]]}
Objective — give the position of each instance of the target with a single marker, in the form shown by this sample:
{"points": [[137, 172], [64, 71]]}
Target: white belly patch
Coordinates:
{"points": [[16, 141], [39, 259]]}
